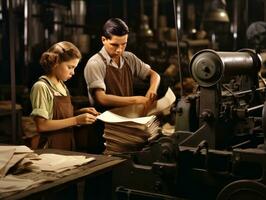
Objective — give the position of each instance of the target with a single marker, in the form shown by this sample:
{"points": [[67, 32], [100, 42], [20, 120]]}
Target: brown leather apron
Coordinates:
{"points": [[118, 81], [63, 138]]}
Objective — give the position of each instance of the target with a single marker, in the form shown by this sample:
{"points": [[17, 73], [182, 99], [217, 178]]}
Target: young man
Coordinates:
{"points": [[110, 73]]}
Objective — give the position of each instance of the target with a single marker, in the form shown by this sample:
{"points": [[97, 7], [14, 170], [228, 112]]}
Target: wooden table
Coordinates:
{"points": [[90, 181]]}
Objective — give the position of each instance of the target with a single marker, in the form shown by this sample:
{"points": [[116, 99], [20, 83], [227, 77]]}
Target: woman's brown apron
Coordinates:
{"points": [[63, 138]]}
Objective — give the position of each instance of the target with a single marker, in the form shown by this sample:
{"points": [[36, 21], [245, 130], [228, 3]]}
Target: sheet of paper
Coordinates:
{"points": [[111, 117], [11, 155], [132, 113], [59, 163], [5, 156], [18, 148], [10, 183], [163, 103], [13, 161]]}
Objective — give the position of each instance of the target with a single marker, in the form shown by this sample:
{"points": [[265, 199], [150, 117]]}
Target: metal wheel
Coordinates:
{"points": [[243, 190]]}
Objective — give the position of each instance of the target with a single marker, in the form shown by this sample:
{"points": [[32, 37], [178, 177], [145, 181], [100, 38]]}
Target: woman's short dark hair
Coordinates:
{"points": [[114, 26]]}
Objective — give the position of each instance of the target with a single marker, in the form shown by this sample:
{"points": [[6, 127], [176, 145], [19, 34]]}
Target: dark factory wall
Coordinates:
{"points": [[23, 38]]}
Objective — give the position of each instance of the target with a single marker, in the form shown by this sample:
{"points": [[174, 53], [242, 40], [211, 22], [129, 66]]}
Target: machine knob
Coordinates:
{"points": [[206, 115], [205, 70]]}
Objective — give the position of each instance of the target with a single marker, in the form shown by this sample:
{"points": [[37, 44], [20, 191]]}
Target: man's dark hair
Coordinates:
{"points": [[114, 26]]}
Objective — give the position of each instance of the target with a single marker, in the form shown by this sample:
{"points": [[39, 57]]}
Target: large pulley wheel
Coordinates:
{"points": [[243, 190], [168, 149], [164, 149]]}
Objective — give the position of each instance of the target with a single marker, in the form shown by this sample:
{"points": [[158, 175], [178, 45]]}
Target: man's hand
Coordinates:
{"points": [[151, 95], [148, 106]]}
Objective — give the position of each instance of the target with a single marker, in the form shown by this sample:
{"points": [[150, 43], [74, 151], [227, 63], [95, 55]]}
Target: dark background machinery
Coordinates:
{"points": [[218, 149], [28, 27], [225, 156]]}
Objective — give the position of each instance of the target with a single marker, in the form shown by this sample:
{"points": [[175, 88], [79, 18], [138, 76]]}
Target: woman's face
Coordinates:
{"points": [[115, 46], [65, 70]]}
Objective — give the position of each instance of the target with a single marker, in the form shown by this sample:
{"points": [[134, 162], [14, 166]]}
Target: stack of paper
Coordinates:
{"points": [[58, 163], [11, 155], [11, 183], [126, 129], [124, 134], [22, 156]]}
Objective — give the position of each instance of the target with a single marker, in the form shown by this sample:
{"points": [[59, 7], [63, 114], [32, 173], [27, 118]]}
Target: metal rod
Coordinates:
{"points": [[178, 50], [155, 14], [241, 144], [12, 68], [27, 41], [235, 24], [255, 108], [244, 92]]}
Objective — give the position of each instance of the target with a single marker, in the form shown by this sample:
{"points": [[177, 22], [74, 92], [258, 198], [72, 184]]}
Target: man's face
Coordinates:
{"points": [[115, 46]]}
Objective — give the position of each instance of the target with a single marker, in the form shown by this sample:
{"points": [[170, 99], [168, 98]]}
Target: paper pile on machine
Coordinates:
{"points": [[128, 134], [126, 129]]}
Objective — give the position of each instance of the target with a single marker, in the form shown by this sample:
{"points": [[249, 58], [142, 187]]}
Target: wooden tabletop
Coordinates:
{"points": [[101, 165]]}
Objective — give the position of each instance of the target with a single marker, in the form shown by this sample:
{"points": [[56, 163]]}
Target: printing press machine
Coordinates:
{"points": [[218, 150]]}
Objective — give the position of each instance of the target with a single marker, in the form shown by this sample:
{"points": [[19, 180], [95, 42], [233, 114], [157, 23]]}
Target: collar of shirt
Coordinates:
{"points": [[109, 59], [57, 91]]}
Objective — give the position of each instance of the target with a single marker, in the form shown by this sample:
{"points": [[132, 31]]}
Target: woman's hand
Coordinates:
{"points": [[89, 110], [85, 118]]}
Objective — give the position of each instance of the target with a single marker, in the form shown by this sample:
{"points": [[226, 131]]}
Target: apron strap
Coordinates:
{"points": [[51, 87]]}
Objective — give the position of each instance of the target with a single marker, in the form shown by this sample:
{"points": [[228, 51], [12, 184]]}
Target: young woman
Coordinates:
{"points": [[52, 110]]}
